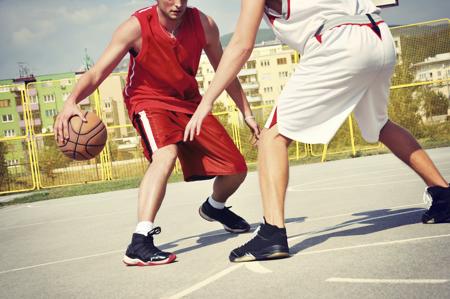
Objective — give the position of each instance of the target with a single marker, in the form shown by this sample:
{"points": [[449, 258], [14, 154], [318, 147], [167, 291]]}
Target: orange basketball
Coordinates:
{"points": [[86, 139]]}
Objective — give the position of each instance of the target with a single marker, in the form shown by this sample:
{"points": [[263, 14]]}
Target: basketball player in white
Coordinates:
{"points": [[347, 61]]}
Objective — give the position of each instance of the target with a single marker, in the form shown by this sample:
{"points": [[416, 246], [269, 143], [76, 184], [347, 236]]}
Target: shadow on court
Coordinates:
{"points": [[373, 221], [214, 237]]}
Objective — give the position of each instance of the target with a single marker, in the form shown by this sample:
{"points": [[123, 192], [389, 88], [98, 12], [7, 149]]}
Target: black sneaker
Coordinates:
{"points": [[269, 242], [439, 212], [231, 222], [142, 251]]}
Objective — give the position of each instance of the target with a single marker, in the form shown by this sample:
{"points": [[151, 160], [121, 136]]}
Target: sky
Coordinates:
{"points": [[50, 36]]}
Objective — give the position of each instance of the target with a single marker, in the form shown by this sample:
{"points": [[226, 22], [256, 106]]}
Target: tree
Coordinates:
{"points": [[433, 103], [4, 174]]}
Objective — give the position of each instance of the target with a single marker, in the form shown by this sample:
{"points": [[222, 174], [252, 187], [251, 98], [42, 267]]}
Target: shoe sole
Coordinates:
{"points": [[137, 262], [251, 258], [228, 229], [435, 220]]}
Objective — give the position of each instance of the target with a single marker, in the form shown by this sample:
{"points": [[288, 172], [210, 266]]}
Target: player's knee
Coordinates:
{"points": [[166, 156]]}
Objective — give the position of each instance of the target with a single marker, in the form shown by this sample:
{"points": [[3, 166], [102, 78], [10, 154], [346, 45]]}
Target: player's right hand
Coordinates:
{"points": [[60, 128]]}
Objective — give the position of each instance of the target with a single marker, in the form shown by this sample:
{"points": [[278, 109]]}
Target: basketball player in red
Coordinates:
{"points": [[165, 42]]}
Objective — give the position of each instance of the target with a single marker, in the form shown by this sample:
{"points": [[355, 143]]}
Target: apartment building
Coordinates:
{"points": [[262, 77]]}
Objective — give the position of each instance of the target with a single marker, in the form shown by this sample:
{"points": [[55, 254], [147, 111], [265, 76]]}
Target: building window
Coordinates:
{"points": [[396, 43], [9, 133], [50, 98], [13, 162], [107, 105], [265, 63], [439, 73], [281, 61], [4, 103], [33, 99], [7, 118], [268, 89], [283, 74], [251, 64], [51, 112]]}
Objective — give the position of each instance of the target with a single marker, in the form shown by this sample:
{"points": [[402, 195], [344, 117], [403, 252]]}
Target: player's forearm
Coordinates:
{"points": [[239, 98], [231, 63], [87, 84]]}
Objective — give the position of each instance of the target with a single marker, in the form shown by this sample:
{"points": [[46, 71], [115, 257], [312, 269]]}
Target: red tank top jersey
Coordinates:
{"points": [[162, 75]]}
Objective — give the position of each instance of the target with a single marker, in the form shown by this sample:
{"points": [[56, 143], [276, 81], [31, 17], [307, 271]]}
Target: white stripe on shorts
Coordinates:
{"points": [[148, 131]]}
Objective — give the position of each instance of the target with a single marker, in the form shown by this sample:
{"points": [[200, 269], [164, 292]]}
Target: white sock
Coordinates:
{"points": [[144, 227], [216, 204]]}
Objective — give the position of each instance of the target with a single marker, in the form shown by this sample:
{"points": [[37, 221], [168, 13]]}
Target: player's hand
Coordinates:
{"points": [[254, 127], [60, 128], [195, 124]]}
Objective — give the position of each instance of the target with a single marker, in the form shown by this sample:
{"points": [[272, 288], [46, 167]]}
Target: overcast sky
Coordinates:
{"points": [[51, 35]]}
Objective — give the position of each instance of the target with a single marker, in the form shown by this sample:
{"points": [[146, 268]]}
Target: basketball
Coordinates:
{"points": [[86, 139]]}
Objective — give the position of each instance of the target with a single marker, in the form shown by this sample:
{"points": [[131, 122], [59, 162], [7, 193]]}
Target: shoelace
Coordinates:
{"points": [[155, 231]]}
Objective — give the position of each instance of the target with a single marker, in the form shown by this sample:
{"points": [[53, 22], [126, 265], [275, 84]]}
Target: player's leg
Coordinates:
{"points": [[153, 185], [213, 154], [407, 149], [162, 152], [273, 169]]}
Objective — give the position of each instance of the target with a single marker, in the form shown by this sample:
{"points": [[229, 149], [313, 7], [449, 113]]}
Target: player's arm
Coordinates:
{"points": [[123, 39], [214, 51], [235, 55]]}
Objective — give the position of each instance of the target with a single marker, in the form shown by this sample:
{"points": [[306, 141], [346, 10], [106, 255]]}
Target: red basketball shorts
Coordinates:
{"points": [[212, 153]]}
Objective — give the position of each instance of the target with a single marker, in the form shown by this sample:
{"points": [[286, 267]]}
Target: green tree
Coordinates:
{"points": [[4, 174], [434, 103]]}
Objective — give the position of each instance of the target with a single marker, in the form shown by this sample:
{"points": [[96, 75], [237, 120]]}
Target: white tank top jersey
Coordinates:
{"points": [[300, 19]]}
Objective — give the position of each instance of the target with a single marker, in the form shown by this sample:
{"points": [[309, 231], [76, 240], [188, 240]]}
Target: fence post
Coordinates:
{"points": [[352, 136]]}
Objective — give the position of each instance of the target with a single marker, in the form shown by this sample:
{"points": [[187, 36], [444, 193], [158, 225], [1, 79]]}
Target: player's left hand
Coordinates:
{"points": [[254, 127], [195, 124]]}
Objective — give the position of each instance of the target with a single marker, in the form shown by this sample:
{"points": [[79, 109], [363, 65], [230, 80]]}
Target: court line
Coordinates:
{"points": [[218, 234], [228, 270], [61, 261], [61, 220], [387, 281], [372, 245], [353, 222], [344, 177], [206, 282]]}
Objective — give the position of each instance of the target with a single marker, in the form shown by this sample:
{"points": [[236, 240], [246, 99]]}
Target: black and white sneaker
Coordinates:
{"points": [[439, 211], [142, 251], [231, 222], [269, 242]]}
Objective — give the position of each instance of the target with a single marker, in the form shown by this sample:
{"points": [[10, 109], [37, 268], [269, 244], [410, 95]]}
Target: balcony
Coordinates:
{"points": [[37, 122], [253, 99], [33, 107], [250, 85], [247, 72]]}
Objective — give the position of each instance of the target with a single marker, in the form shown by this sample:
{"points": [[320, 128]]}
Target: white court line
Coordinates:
{"points": [[350, 214], [257, 268], [387, 281], [353, 222], [61, 261], [232, 268], [350, 186], [371, 245], [343, 177], [61, 220], [205, 282], [218, 234]]}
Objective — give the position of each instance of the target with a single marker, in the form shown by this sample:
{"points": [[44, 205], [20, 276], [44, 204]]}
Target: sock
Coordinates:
{"points": [[144, 227], [216, 204]]}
